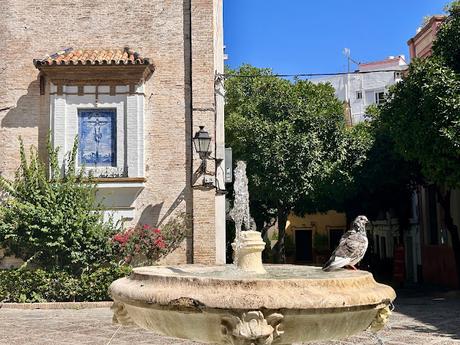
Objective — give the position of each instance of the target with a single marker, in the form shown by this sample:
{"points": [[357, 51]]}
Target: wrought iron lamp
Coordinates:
{"points": [[202, 143]]}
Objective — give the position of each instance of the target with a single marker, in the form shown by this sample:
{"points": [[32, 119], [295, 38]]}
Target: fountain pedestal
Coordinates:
{"points": [[248, 247]]}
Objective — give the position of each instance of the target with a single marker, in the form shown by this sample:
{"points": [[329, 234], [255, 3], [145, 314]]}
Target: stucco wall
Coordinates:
{"points": [[347, 86], [319, 223], [158, 30]]}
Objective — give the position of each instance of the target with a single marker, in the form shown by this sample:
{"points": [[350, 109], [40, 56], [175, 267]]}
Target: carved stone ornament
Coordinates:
{"points": [[380, 320], [252, 328], [120, 314]]}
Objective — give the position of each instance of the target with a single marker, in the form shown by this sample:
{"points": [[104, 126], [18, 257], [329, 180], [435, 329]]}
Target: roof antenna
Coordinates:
{"points": [[347, 53]]}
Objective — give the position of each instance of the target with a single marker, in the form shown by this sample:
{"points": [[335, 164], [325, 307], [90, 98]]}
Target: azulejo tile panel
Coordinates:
{"points": [[97, 138]]}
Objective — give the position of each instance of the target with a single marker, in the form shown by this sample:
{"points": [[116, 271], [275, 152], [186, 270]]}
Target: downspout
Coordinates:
{"points": [[189, 106]]}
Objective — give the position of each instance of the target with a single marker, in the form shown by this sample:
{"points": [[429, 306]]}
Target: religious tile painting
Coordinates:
{"points": [[97, 139]]}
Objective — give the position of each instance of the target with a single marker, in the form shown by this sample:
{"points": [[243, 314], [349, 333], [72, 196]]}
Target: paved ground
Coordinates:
{"points": [[420, 320]]}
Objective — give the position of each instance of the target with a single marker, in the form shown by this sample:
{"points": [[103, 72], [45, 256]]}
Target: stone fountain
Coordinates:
{"points": [[249, 303]]}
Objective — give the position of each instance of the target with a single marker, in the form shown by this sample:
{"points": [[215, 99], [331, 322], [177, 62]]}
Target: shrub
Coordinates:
{"points": [[22, 285], [95, 283], [144, 241], [53, 220]]}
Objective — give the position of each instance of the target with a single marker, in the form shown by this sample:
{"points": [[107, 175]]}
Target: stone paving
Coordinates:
{"points": [[422, 320]]}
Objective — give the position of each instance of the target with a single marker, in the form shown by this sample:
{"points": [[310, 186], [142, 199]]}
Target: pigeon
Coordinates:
{"points": [[351, 248]]}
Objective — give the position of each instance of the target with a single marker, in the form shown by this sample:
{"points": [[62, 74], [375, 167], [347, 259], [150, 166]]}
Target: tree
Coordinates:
{"points": [[293, 136], [422, 116], [385, 181], [446, 45]]}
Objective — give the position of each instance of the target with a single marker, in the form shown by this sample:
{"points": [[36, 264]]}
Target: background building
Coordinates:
{"points": [[437, 257], [366, 86], [420, 45], [141, 104], [313, 237]]}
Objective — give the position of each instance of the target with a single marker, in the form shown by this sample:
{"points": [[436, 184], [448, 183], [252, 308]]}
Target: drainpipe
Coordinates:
{"points": [[189, 106]]}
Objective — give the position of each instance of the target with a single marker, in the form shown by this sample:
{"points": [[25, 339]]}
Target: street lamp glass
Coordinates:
{"points": [[202, 142]]}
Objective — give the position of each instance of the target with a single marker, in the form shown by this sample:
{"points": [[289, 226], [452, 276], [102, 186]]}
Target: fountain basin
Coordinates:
{"points": [[223, 305]]}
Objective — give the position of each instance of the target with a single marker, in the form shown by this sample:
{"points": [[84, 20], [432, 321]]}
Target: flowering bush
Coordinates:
{"points": [[151, 243], [47, 214]]}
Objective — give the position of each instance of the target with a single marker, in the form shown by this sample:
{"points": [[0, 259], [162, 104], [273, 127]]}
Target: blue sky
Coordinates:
{"points": [[295, 36]]}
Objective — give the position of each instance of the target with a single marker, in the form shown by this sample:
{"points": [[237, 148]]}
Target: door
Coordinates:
{"points": [[410, 259], [303, 246], [334, 238]]}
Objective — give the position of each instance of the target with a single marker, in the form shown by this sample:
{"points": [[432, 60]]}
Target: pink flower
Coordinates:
{"points": [[120, 238], [160, 243]]}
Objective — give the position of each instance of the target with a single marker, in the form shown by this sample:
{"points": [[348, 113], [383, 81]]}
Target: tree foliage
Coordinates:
{"points": [[386, 180], [53, 220], [292, 134], [422, 117], [446, 45]]}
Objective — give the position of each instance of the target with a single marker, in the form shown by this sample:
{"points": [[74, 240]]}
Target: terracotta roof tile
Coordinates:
{"points": [[69, 56], [381, 62]]}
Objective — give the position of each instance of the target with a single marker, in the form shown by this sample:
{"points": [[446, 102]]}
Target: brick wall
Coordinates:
{"points": [[156, 29]]}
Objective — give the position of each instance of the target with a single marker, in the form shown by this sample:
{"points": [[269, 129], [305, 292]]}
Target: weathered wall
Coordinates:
{"points": [[158, 30]]}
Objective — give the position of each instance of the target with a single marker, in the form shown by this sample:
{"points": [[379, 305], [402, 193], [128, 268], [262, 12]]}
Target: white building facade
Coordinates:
{"points": [[366, 86]]}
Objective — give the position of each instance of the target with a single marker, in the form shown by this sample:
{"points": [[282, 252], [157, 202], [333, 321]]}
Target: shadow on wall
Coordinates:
{"points": [[31, 111], [26, 113], [151, 214]]}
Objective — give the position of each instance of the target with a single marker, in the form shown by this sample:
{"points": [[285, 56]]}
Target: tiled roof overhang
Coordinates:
{"points": [[98, 65]]}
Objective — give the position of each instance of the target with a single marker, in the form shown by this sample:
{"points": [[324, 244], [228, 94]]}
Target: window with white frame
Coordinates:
{"points": [[359, 95], [97, 96]]}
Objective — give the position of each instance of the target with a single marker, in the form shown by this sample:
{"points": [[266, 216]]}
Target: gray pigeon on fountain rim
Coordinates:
{"points": [[351, 248]]}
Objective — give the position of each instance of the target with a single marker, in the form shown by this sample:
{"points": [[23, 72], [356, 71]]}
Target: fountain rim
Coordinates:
{"points": [[154, 272], [238, 293]]}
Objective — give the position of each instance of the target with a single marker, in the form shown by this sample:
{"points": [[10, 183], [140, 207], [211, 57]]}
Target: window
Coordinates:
{"points": [[379, 97], [383, 246], [102, 105], [377, 245], [359, 95], [110, 128], [97, 137], [398, 75]]}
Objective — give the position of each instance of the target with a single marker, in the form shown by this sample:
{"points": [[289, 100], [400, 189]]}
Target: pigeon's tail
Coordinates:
{"points": [[327, 265], [335, 262]]}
